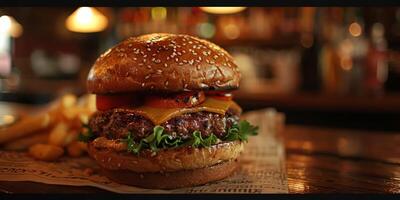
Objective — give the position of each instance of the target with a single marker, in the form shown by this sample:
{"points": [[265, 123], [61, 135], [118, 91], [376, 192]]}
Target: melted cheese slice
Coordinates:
{"points": [[161, 115]]}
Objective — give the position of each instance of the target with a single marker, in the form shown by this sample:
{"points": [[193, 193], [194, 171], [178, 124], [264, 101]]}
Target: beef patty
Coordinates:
{"points": [[116, 123]]}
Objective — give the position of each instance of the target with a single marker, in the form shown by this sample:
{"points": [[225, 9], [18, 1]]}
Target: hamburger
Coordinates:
{"points": [[165, 116]]}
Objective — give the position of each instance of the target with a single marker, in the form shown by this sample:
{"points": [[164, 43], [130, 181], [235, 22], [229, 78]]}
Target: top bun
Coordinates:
{"points": [[163, 62]]}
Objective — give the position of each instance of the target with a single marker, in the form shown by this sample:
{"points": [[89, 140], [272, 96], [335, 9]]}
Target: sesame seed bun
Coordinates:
{"points": [[169, 168], [163, 62], [173, 180]]}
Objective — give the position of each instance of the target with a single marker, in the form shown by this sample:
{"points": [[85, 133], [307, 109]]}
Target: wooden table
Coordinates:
{"points": [[319, 160]]}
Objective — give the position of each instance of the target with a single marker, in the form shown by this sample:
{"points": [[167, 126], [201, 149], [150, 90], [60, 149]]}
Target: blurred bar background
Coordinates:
{"points": [[331, 67]]}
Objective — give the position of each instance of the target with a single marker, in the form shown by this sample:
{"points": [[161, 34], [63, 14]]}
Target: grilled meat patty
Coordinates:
{"points": [[116, 123]]}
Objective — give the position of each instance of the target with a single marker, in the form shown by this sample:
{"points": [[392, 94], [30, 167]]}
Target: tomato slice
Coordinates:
{"points": [[180, 100], [105, 102], [220, 95]]}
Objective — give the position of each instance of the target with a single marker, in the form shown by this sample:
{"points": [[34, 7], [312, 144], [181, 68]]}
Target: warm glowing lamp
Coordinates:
{"points": [[10, 26], [222, 10], [86, 20], [355, 29]]}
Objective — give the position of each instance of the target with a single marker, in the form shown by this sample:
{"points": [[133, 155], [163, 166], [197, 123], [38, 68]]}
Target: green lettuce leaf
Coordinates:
{"points": [[241, 131], [87, 134], [198, 141], [159, 139]]}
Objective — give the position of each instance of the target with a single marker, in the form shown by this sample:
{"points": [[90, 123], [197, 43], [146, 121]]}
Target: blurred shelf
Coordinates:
{"points": [[282, 42], [41, 91], [389, 103]]}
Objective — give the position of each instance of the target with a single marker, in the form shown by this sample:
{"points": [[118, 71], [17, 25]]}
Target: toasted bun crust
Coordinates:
{"points": [[163, 62], [168, 160], [172, 180]]}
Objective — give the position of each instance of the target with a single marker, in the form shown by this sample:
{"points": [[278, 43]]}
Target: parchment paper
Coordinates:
{"points": [[262, 166]]}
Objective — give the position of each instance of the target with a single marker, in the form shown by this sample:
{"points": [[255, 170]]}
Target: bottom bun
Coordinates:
{"points": [[172, 180]]}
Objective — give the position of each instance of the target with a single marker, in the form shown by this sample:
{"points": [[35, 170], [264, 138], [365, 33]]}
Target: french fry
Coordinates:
{"points": [[68, 101], [75, 149], [26, 126], [72, 136], [82, 145], [88, 102], [25, 142], [58, 125], [46, 152], [58, 135]]}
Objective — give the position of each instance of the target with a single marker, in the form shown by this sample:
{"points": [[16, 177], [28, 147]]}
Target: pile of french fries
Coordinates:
{"points": [[53, 132]]}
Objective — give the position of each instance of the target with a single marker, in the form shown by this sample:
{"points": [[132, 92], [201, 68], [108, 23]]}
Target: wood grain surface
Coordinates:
{"points": [[318, 160], [321, 160]]}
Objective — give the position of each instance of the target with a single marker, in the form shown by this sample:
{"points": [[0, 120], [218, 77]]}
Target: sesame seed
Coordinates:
{"points": [[134, 58], [129, 45], [185, 86], [165, 65], [147, 77], [159, 71], [148, 49], [140, 64], [148, 66], [180, 63], [142, 84], [198, 67], [176, 59], [166, 83], [191, 62], [144, 56], [119, 164]]}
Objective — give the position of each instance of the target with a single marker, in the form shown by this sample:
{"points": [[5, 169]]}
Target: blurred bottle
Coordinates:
{"points": [[330, 36], [376, 69], [359, 48]]}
